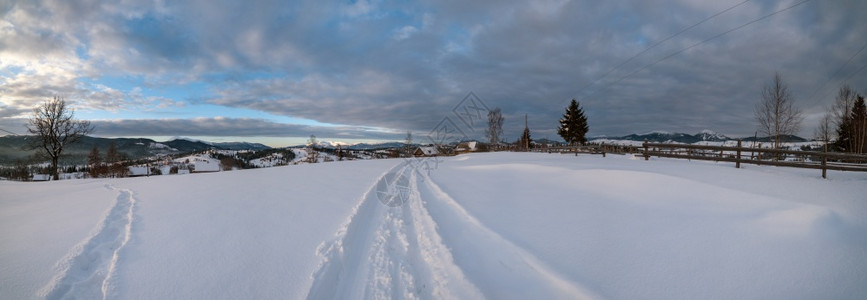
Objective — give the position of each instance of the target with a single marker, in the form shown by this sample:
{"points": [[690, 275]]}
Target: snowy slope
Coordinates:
{"points": [[675, 229], [487, 225], [201, 162], [44, 224]]}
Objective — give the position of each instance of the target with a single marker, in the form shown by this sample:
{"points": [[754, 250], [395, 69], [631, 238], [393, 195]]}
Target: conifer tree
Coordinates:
{"points": [[573, 125], [852, 129], [841, 111], [858, 126], [844, 138]]}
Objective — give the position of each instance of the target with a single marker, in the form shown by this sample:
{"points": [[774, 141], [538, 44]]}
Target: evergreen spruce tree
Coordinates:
{"points": [[858, 126], [573, 125], [852, 129], [842, 143]]}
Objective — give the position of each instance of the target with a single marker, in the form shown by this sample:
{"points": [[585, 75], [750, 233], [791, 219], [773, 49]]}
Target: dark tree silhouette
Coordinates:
{"points": [[852, 133], [53, 124], [495, 126], [525, 137], [94, 160], [841, 111], [573, 125], [113, 161]]}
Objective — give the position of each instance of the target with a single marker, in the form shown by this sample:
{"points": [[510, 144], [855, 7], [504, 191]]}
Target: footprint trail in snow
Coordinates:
{"points": [[86, 272], [427, 248], [389, 253]]}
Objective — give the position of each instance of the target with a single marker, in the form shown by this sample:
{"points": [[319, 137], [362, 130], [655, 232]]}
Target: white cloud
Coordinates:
{"points": [[404, 32]]}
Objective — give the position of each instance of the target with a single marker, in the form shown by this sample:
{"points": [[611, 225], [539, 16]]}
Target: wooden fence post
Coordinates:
{"points": [[759, 162], [646, 155], [738, 158], [825, 161]]}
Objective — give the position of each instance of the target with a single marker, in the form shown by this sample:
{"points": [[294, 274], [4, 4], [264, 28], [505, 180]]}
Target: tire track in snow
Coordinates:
{"points": [[500, 268], [87, 270], [389, 253]]}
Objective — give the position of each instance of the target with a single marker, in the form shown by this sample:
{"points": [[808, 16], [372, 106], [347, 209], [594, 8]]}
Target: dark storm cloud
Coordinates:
{"points": [[233, 127], [404, 66]]}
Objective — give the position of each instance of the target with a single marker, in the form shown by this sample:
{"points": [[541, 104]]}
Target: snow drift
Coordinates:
{"points": [[485, 225]]}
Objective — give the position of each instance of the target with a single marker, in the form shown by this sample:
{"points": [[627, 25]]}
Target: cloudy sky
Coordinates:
{"points": [[279, 71]]}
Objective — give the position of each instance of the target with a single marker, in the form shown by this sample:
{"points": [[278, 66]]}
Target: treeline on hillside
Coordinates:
{"points": [[243, 159]]}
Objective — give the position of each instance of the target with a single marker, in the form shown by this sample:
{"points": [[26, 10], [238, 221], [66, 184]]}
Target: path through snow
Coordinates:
{"points": [[429, 247], [87, 271]]}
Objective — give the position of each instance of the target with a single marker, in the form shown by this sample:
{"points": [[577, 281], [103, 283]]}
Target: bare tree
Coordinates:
{"points": [[114, 161], [495, 126], [842, 113], [407, 150], [312, 155], [312, 142], [94, 160], [53, 123], [843, 104], [825, 130], [775, 113]]}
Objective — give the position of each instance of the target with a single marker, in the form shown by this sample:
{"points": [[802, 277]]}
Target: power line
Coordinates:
{"points": [[838, 71], [856, 72], [9, 132], [853, 74], [694, 45], [658, 43]]}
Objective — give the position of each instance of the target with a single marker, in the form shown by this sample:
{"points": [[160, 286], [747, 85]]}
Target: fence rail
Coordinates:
{"points": [[738, 154], [774, 157]]}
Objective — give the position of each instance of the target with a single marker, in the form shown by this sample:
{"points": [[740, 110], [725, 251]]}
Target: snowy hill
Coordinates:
{"points": [[12, 147], [201, 162], [485, 225], [241, 146], [365, 146], [188, 145]]}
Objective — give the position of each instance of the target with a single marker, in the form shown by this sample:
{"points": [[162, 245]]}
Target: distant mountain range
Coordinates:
{"points": [[703, 136], [14, 147], [361, 146]]}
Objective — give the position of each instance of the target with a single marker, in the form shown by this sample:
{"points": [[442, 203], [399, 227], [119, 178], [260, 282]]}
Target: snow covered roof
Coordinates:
{"points": [[427, 150], [466, 146], [41, 177], [138, 170]]}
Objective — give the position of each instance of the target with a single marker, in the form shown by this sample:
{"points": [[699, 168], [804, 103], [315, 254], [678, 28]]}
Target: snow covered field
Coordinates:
{"points": [[492, 225]]}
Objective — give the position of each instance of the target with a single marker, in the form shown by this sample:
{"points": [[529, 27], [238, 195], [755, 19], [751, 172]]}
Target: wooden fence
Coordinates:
{"points": [[591, 149], [738, 154], [760, 156]]}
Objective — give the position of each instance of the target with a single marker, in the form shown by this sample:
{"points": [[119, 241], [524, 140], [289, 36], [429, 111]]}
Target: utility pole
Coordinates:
{"points": [[526, 128]]}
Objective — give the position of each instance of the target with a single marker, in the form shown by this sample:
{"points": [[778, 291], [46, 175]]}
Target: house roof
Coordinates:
{"points": [[468, 146], [428, 150]]}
